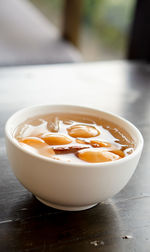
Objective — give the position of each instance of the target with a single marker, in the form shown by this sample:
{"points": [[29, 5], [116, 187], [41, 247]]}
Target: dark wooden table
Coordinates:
{"points": [[119, 224]]}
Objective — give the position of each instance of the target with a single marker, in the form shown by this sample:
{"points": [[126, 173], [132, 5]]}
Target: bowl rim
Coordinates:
{"points": [[137, 150]]}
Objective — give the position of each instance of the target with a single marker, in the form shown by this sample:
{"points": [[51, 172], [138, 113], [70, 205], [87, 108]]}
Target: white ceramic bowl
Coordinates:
{"points": [[70, 186]]}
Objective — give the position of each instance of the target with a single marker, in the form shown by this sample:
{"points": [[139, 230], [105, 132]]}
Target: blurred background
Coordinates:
{"points": [[64, 31], [104, 26]]}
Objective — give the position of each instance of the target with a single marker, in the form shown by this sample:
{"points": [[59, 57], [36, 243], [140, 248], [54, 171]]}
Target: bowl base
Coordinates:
{"points": [[66, 208]]}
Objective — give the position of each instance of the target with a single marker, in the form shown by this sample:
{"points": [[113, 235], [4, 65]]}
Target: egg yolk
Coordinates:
{"points": [[97, 156], [83, 131], [97, 143], [38, 144], [56, 139], [118, 152], [33, 141]]}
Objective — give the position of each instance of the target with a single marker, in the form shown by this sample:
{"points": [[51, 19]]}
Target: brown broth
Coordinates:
{"points": [[74, 138]]}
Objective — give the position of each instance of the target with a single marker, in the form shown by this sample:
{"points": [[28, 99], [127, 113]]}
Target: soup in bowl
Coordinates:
{"points": [[72, 157]]}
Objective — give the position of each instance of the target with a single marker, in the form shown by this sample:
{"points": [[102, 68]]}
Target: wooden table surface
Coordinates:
{"points": [[119, 224]]}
